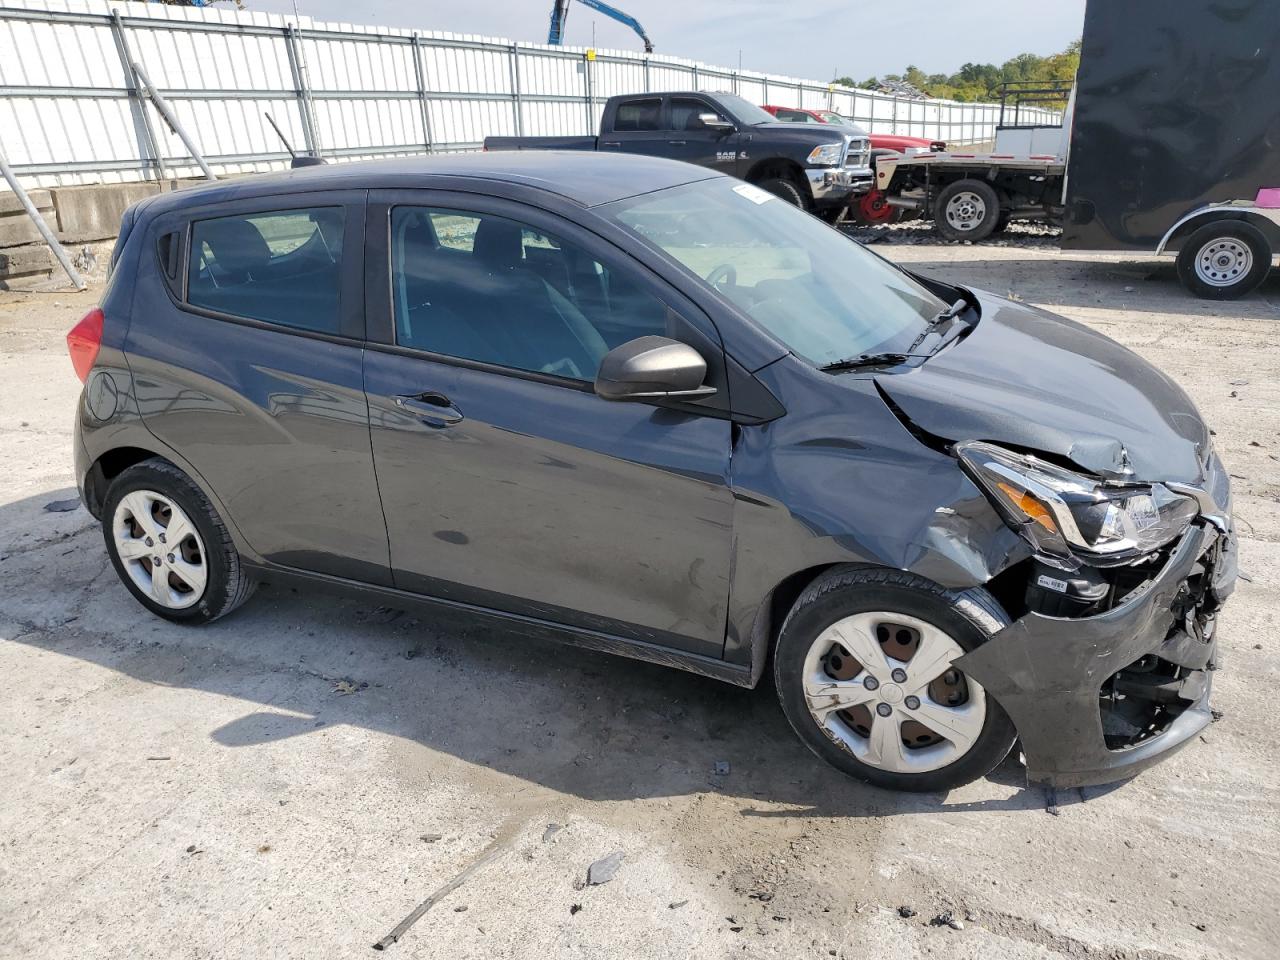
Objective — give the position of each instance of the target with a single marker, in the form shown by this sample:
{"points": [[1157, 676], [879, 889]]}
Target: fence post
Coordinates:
{"points": [[586, 73], [647, 85], [136, 105], [695, 76], [515, 90], [422, 93], [298, 72]]}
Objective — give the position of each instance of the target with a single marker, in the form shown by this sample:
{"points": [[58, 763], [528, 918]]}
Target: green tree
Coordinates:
{"points": [[979, 82]]}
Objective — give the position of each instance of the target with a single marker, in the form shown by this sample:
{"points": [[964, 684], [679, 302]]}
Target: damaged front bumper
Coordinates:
{"points": [[1100, 698]]}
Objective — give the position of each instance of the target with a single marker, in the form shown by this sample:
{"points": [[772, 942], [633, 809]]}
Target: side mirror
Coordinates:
{"points": [[650, 368], [713, 121]]}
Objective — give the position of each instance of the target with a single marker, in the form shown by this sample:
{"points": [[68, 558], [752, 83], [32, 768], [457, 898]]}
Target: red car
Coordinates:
{"points": [[872, 207]]}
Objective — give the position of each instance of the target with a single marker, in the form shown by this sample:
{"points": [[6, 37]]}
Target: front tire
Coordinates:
{"points": [[967, 210], [1224, 260], [863, 671], [169, 546], [787, 190]]}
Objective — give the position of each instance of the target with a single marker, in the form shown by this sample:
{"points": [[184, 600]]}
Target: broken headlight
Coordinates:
{"points": [[1065, 514]]}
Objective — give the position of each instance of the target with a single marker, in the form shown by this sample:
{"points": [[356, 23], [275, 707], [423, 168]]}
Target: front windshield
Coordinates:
{"points": [[813, 288], [744, 110]]}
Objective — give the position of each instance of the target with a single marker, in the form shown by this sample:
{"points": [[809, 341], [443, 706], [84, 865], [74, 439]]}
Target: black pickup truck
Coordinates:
{"points": [[816, 167]]}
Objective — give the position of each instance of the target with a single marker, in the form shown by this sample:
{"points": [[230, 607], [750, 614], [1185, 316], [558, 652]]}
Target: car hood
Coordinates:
{"points": [[1029, 379]]}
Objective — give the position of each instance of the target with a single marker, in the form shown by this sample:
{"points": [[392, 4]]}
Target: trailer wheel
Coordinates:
{"points": [[1224, 260], [967, 210]]}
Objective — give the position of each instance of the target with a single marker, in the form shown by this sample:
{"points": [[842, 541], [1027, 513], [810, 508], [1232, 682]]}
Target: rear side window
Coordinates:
{"points": [[639, 115], [280, 266]]}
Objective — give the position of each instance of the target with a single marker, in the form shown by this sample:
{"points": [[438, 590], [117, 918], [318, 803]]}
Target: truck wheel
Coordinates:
{"points": [[786, 189], [864, 671], [1224, 260], [967, 210]]}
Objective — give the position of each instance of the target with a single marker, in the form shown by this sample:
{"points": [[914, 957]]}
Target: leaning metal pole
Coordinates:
{"points": [[39, 221], [172, 120]]}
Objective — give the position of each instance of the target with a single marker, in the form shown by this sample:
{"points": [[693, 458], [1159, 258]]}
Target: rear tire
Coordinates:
{"points": [[935, 737], [1224, 260], [169, 546], [788, 190], [967, 210]]}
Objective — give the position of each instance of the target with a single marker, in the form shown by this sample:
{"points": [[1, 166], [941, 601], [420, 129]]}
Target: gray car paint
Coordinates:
{"points": [[739, 505]]}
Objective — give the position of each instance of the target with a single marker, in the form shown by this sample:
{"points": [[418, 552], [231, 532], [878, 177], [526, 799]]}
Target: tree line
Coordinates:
{"points": [[978, 82]]}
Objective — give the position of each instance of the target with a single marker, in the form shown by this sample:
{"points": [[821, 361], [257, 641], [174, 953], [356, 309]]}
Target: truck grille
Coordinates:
{"points": [[859, 155]]}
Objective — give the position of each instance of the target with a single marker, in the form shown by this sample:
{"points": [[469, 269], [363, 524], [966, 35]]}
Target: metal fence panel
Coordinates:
{"points": [[70, 112]]}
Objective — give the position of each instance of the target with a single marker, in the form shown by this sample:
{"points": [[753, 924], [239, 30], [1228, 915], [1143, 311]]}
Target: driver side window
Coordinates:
{"points": [[481, 287]]}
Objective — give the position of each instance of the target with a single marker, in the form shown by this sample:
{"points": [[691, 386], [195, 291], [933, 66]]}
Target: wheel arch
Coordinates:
{"points": [[1266, 220], [779, 167], [110, 463]]}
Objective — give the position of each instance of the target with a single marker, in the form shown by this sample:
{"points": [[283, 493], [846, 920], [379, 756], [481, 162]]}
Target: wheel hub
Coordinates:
{"points": [[1224, 262], [174, 577], [882, 686], [965, 211]]}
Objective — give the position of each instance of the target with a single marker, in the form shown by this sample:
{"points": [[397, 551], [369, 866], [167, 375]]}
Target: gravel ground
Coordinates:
{"points": [[292, 781]]}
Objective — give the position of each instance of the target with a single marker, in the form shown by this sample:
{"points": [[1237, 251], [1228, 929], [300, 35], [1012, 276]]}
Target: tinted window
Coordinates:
{"points": [[639, 115], [486, 288], [684, 113], [282, 267]]}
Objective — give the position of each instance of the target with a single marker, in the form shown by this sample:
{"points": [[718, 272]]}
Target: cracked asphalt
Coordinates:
{"points": [[294, 780]]}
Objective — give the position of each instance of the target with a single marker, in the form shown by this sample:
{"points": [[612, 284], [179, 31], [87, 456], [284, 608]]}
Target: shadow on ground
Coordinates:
{"points": [[577, 722]]}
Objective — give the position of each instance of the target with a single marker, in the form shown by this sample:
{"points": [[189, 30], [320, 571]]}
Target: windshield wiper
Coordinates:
{"points": [[953, 311], [865, 360]]}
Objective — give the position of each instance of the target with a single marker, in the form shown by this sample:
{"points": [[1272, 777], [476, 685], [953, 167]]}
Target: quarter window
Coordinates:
{"points": [[482, 287], [281, 266]]}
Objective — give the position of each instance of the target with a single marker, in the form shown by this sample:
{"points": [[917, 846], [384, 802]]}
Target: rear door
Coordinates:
{"points": [[506, 482], [246, 345], [692, 141], [637, 127]]}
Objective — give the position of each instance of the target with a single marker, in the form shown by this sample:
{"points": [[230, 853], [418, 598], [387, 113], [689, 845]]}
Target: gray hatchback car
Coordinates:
{"points": [[648, 409]]}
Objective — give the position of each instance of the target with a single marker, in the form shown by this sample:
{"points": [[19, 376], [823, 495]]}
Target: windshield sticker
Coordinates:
{"points": [[754, 194]]}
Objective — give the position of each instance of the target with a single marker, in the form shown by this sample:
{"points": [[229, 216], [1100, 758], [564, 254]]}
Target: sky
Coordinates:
{"points": [[821, 40]]}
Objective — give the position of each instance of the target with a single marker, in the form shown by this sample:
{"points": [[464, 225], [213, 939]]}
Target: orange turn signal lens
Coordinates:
{"points": [[1029, 505]]}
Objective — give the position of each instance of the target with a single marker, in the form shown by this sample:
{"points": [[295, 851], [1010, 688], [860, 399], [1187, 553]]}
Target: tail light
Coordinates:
{"points": [[84, 341]]}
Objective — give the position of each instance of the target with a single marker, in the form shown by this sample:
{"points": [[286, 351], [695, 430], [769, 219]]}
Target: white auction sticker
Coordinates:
{"points": [[752, 193]]}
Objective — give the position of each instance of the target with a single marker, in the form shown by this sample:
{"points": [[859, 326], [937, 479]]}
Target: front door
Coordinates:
{"points": [[692, 141], [505, 481]]}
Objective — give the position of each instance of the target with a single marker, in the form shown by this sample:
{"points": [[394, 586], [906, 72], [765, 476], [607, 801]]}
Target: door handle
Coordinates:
{"points": [[611, 143], [432, 409], [677, 143]]}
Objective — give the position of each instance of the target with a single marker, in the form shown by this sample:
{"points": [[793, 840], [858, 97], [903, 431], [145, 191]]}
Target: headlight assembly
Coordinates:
{"points": [[1066, 514], [827, 155]]}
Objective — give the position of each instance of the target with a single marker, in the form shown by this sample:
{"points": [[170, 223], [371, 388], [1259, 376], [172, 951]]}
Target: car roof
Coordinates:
{"points": [[582, 176]]}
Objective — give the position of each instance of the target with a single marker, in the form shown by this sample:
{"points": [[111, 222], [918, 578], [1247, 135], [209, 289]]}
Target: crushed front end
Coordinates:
{"points": [[1107, 666]]}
